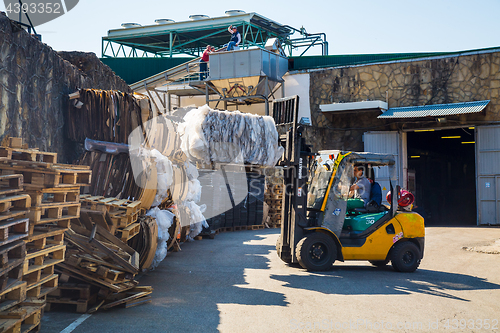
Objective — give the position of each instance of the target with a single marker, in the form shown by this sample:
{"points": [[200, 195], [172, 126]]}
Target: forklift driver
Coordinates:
{"points": [[359, 192]]}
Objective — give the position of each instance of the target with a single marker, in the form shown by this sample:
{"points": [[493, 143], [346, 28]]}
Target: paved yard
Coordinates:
{"points": [[236, 283]]}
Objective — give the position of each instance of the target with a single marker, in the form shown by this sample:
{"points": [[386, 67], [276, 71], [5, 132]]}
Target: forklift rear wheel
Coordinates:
{"points": [[316, 252], [379, 263], [405, 257]]}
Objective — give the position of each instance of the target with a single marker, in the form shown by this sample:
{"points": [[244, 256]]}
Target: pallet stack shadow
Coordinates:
{"points": [[247, 189], [39, 217]]}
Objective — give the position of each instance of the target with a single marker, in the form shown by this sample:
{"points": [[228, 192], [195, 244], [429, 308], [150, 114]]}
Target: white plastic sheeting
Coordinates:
{"points": [[165, 176], [164, 219], [194, 213], [229, 137]]}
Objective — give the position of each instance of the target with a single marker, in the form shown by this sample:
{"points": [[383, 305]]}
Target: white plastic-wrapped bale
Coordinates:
{"points": [[229, 137]]}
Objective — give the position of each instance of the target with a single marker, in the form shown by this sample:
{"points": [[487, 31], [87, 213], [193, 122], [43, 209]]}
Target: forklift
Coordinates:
{"points": [[317, 228]]}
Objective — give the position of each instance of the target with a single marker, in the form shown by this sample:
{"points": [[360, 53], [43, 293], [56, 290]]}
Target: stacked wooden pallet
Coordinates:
{"points": [[53, 190], [122, 213], [273, 197], [15, 312]]}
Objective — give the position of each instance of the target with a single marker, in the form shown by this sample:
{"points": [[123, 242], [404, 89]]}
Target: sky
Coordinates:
{"points": [[351, 26]]}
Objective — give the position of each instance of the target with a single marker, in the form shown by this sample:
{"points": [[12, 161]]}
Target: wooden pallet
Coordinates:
{"points": [[36, 277], [98, 217], [54, 213], [43, 236], [129, 232], [64, 223], [13, 295], [133, 297], [72, 290], [11, 263], [43, 287], [275, 216], [121, 220], [38, 175], [95, 279], [82, 305], [127, 207], [10, 184], [13, 230], [18, 201], [14, 214], [37, 261], [24, 318], [54, 196], [256, 227], [33, 155]]}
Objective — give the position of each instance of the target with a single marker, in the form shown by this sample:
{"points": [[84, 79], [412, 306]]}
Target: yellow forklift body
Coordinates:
{"points": [[379, 243], [405, 225]]}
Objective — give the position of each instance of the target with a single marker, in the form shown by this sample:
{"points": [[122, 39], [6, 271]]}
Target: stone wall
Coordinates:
{"points": [[408, 83], [34, 85]]}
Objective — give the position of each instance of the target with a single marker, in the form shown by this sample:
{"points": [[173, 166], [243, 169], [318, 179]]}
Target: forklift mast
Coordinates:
{"points": [[295, 162]]}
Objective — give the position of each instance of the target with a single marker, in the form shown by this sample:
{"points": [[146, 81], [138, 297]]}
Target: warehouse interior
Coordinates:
{"points": [[441, 173]]}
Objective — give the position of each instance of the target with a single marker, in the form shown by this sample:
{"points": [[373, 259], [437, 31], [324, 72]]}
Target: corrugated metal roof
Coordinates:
{"points": [[436, 110]]}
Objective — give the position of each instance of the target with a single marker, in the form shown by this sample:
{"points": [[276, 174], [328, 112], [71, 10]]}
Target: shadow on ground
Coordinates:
{"points": [[366, 280], [189, 285]]}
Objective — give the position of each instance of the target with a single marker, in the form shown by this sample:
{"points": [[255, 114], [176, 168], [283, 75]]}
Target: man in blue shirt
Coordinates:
{"points": [[235, 38]]}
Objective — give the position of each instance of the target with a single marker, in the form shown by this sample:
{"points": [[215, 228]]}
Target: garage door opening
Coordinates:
{"points": [[441, 174]]}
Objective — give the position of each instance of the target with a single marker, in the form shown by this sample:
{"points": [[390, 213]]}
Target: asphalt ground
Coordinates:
{"points": [[236, 283]]}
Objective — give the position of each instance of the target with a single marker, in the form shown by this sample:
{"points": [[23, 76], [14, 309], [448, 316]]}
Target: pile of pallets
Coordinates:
{"points": [[98, 258], [273, 197], [53, 199], [38, 199], [123, 214], [16, 311]]}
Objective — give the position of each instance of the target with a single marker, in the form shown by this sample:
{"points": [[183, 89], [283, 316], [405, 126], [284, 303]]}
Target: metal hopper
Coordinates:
{"points": [[246, 74]]}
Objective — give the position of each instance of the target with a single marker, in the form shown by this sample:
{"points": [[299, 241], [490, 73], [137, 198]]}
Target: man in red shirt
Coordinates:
{"points": [[204, 62]]}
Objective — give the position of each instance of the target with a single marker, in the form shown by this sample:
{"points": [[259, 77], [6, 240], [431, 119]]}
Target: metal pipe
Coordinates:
{"points": [[171, 48]]}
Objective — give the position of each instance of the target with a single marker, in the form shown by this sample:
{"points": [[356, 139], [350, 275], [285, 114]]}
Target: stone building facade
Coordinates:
{"points": [[472, 76]]}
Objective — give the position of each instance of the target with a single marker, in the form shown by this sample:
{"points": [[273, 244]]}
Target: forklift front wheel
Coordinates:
{"points": [[316, 252]]}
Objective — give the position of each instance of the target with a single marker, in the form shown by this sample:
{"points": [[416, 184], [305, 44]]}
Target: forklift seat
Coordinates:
{"points": [[376, 193], [375, 203]]}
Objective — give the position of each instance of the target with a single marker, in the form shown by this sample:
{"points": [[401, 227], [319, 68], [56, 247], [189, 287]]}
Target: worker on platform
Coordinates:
{"points": [[204, 62], [235, 38]]}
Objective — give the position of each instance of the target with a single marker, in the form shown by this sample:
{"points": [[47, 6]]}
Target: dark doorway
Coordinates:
{"points": [[443, 162]]}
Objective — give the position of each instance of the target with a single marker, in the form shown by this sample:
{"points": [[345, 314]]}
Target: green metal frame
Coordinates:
{"points": [[180, 43]]}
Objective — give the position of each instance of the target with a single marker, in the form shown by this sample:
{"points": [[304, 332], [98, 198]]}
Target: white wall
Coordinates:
{"points": [[298, 84]]}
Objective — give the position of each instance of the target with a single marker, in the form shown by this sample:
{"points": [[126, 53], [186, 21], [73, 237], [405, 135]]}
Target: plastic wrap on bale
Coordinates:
{"points": [[164, 219], [229, 137]]}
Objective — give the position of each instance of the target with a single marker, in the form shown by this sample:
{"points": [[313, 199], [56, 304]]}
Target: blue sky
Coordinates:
{"points": [[352, 27]]}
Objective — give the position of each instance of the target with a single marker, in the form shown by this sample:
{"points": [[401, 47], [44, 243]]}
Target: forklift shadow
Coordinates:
{"points": [[366, 280]]}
